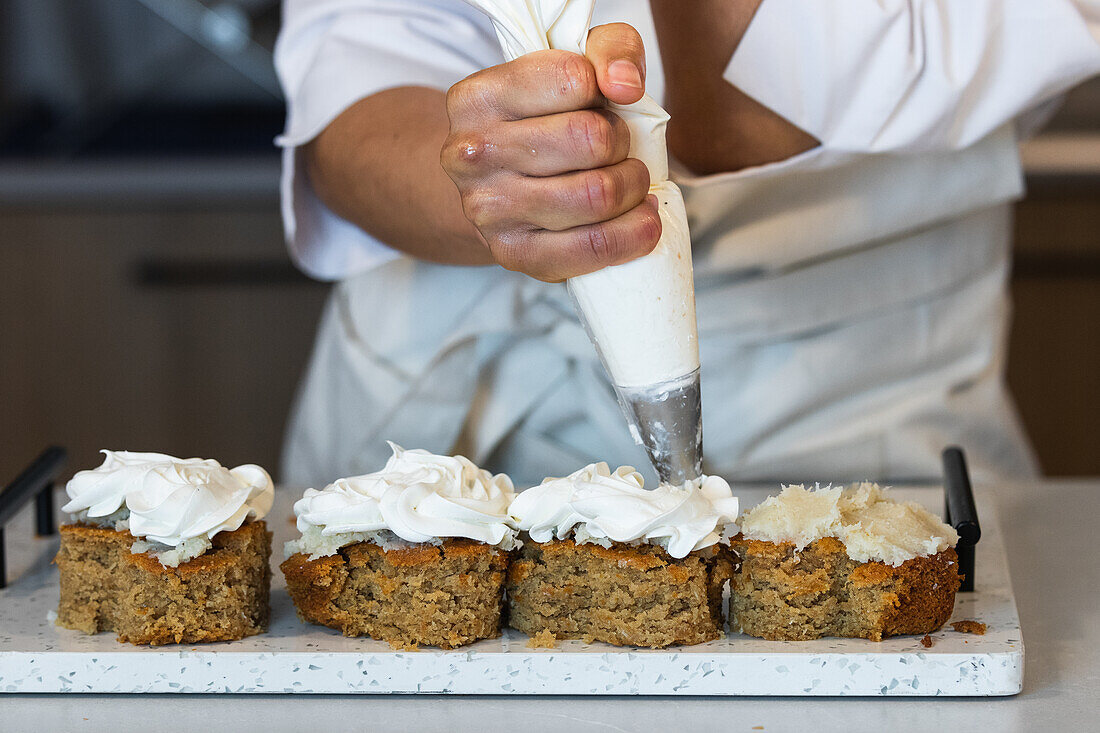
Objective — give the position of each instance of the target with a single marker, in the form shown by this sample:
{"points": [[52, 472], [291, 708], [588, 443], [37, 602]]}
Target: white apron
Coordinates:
{"points": [[853, 316]]}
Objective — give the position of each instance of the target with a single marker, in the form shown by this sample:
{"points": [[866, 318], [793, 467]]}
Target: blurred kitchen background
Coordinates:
{"points": [[147, 301]]}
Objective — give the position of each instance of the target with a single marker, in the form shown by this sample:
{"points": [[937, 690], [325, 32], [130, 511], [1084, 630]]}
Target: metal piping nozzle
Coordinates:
{"points": [[666, 419]]}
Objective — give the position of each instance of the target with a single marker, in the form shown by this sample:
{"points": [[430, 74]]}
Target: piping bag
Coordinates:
{"points": [[640, 315]]}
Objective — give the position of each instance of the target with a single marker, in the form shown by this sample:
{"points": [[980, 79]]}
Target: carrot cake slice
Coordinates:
{"points": [[842, 562], [163, 550], [604, 559], [414, 554]]}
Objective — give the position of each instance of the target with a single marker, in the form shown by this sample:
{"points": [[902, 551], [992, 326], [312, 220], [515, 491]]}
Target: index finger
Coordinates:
{"points": [[534, 85]]}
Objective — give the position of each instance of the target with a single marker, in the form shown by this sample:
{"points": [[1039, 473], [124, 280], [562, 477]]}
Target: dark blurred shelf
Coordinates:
{"points": [[163, 155], [148, 181], [159, 272], [35, 131]]}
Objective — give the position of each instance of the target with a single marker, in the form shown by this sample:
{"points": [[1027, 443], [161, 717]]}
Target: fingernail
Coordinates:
{"points": [[652, 200], [625, 74]]}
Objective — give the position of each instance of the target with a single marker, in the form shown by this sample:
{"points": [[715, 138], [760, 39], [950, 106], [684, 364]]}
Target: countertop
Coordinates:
{"points": [[1052, 559]]}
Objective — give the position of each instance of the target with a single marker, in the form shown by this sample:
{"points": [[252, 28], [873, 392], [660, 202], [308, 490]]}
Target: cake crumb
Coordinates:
{"points": [[969, 626], [926, 641], [544, 639]]}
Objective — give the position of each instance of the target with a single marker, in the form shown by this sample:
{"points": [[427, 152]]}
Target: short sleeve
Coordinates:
{"points": [[332, 53], [869, 76]]}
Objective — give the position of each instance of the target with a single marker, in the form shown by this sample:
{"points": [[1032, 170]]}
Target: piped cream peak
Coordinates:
{"points": [[597, 505]]}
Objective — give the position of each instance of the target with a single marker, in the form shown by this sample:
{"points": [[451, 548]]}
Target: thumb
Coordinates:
{"points": [[618, 55]]}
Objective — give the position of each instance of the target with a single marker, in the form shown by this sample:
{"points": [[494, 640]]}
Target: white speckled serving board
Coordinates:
{"points": [[36, 656]]}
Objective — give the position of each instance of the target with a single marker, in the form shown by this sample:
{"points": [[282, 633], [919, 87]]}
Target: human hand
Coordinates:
{"points": [[542, 167]]}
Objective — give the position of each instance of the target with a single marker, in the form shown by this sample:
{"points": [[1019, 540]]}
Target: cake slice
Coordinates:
{"points": [[624, 595], [606, 560], [166, 551], [414, 554], [444, 595], [842, 562], [221, 595]]}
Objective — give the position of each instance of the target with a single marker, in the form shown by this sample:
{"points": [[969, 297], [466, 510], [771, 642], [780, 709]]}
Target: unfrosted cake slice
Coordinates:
{"points": [[414, 554], [842, 562], [606, 560], [164, 550]]}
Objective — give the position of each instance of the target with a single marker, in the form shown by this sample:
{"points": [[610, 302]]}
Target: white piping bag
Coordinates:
{"points": [[641, 315]]}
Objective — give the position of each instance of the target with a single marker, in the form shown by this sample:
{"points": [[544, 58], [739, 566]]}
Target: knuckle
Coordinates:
{"points": [[448, 154], [505, 256], [454, 94], [467, 152], [481, 207], [638, 175], [602, 192], [600, 243], [509, 252], [457, 97], [576, 76], [472, 94], [647, 231], [593, 134]]}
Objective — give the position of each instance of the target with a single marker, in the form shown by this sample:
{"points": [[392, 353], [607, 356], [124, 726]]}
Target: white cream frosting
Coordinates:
{"points": [[598, 506], [169, 502], [872, 526], [641, 315], [417, 497]]}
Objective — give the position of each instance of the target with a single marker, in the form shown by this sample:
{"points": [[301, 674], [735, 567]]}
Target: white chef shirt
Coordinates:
{"points": [[862, 76], [852, 300]]}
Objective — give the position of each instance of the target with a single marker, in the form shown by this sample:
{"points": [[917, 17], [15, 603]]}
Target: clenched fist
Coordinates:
{"points": [[542, 168]]}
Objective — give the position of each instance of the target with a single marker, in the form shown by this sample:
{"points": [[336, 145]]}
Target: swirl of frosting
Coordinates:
{"points": [[596, 505], [418, 496], [171, 500]]}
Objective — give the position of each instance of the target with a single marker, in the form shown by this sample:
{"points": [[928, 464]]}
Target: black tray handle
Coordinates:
{"points": [[960, 512], [36, 481]]}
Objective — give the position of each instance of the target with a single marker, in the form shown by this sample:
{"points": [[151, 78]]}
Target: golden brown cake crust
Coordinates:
{"points": [[780, 593], [624, 595], [435, 595], [222, 595]]}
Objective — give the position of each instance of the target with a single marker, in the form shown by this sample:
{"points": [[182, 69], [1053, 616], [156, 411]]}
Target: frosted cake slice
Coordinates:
{"points": [[606, 560], [842, 562], [414, 554], [163, 550]]}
